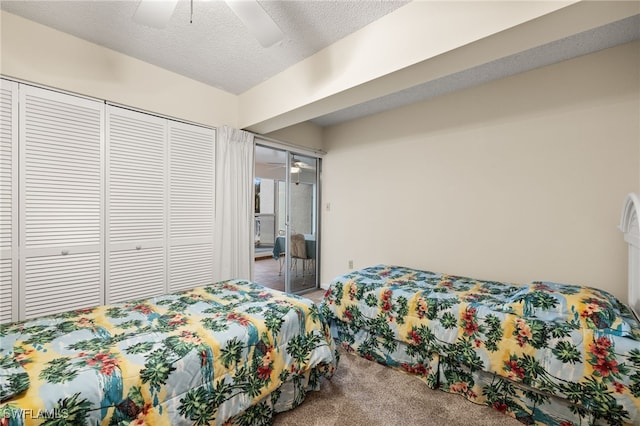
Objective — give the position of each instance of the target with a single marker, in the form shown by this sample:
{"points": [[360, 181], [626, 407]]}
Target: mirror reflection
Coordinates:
{"points": [[285, 220]]}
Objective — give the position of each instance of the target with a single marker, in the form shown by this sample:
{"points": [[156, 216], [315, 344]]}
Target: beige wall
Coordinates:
{"points": [[42, 55], [39, 54], [306, 134], [417, 43], [515, 180], [521, 179]]}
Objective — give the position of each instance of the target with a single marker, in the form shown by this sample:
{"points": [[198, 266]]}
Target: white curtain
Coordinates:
{"points": [[233, 238]]}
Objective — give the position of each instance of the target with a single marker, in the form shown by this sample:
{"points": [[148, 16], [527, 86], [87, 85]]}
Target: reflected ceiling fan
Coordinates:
{"points": [[156, 14], [296, 165]]}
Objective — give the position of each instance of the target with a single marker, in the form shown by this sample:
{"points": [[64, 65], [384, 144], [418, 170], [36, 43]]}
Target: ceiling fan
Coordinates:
{"points": [[296, 166], [300, 165], [156, 14]]}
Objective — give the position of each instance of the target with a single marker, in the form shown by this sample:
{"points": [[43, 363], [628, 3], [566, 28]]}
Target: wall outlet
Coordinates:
{"points": [[351, 264]]}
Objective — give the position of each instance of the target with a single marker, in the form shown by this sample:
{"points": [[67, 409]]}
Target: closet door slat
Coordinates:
{"points": [[61, 201], [191, 265], [134, 274], [62, 283], [136, 204], [107, 204], [8, 200], [136, 145], [191, 202]]}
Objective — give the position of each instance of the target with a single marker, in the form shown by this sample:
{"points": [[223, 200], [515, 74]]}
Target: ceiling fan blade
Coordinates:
{"points": [[257, 21], [302, 165], [273, 166], [155, 13]]}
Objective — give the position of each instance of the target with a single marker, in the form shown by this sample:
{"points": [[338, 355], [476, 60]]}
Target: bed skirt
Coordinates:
{"points": [[527, 405]]}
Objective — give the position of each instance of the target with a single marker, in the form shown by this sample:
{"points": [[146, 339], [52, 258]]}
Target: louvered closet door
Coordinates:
{"points": [[136, 145], [61, 187], [191, 166], [8, 200]]}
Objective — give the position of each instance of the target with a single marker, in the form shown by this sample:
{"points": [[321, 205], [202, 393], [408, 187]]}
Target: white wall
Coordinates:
{"points": [[42, 55], [517, 180]]}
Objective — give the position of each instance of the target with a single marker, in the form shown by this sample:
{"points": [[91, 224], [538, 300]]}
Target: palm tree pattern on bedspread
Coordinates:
{"points": [[230, 353], [546, 353]]}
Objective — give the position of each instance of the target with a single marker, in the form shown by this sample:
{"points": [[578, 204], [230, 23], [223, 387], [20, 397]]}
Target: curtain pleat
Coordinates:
{"points": [[233, 238]]}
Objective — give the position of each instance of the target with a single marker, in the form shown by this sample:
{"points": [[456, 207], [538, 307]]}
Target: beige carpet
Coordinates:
{"points": [[364, 393]]}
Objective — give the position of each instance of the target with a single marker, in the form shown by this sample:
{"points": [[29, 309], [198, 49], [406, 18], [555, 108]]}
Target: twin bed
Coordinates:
{"points": [[237, 353], [547, 353], [230, 353], [544, 353]]}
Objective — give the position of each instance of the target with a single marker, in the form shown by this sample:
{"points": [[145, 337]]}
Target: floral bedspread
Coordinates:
{"points": [[545, 353], [233, 353]]}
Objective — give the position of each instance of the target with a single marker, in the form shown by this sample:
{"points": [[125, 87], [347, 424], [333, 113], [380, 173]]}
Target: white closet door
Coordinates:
{"points": [[191, 202], [136, 249], [61, 187], [8, 201]]}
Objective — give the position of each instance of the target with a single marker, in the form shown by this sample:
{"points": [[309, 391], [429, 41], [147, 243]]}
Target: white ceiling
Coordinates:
{"points": [[616, 33], [217, 49]]}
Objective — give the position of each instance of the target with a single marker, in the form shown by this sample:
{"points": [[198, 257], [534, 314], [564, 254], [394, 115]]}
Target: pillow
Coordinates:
{"points": [[592, 308]]}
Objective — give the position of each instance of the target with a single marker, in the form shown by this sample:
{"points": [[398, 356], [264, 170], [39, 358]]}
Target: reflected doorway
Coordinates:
{"points": [[286, 220]]}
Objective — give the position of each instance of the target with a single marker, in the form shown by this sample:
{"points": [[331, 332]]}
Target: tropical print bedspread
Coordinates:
{"points": [[545, 353], [233, 353]]}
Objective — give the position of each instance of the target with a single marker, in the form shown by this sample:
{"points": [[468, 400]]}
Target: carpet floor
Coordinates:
{"points": [[365, 393]]}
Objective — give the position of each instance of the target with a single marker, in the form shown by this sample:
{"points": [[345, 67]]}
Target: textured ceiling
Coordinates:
{"points": [[216, 48], [616, 33]]}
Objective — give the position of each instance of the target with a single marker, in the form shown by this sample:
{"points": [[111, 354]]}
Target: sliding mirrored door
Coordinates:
{"points": [[302, 221], [286, 194]]}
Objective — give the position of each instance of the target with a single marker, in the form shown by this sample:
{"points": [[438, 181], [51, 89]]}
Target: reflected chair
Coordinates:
{"points": [[298, 248]]}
